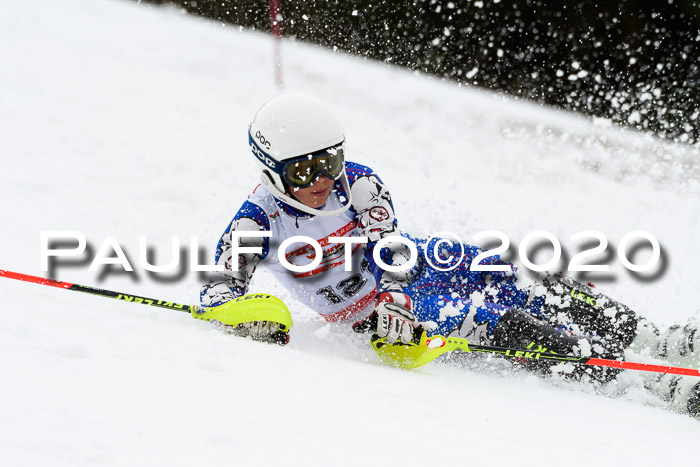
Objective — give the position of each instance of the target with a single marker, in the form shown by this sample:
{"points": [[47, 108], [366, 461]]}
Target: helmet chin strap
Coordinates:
{"points": [[301, 206]]}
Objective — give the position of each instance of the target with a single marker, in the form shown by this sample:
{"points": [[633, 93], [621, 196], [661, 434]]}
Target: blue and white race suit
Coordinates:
{"points": [[458, 302]]}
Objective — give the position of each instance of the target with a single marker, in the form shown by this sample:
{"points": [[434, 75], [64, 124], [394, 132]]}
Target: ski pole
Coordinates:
{"points": [[402, 355], [429, 348], [95, 291]]}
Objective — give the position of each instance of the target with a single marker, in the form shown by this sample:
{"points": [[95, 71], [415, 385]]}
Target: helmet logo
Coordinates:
{"points": [[262, 139], [262, 156]]}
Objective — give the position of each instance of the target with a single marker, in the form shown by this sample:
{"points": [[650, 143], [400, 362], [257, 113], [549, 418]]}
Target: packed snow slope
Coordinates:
{"points": [[124, 120]]}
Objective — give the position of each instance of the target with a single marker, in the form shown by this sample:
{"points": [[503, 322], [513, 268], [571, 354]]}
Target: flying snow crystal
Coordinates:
{"points": [[635, 117], [472, 72], [477, 298], [354, 12], [450, 310], [322, 332], [586, 348]]}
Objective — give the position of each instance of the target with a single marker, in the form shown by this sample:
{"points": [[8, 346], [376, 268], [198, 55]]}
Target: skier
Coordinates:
{"points": [[309, 189]]}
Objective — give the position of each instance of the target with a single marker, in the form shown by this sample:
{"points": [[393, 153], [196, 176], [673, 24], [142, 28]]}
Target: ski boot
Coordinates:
{"points": [[678, 345], [681, 392], [582, 309], [520, 330]]}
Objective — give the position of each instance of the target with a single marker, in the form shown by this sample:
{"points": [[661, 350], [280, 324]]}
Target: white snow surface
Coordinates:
{"points": [[129, 120]]}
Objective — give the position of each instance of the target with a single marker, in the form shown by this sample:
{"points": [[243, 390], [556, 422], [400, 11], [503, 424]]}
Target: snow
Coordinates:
{"points": [[127, 120]]}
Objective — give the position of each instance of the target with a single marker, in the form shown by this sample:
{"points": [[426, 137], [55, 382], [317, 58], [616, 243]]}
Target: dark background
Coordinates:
{"points": [[634, 62]]}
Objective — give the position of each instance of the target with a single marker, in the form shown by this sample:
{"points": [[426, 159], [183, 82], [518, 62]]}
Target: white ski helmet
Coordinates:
{"points": [[295, 139]]}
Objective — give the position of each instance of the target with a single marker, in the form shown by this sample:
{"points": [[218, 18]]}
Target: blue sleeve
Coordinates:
{"points": [[235, 279], [247, 211]]}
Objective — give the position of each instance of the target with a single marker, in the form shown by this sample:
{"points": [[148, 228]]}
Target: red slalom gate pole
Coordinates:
{"points": [[276, 29]]}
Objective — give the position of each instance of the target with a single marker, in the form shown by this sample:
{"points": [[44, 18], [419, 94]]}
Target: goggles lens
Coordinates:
{"points": [[303, 171]]}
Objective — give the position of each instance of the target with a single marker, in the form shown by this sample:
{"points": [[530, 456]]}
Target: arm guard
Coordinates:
{"points": [[233, 282], [376, 220]]}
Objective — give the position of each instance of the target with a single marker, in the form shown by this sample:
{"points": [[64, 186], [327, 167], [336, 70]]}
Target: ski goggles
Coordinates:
{"points": [[302, 171]]}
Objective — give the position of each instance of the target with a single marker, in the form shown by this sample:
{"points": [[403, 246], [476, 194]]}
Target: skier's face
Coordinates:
{"points": [[316, 194]]}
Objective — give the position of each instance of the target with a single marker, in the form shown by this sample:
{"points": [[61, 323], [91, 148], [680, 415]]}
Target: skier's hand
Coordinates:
{"points": [[395, 320], [264, 331]]}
